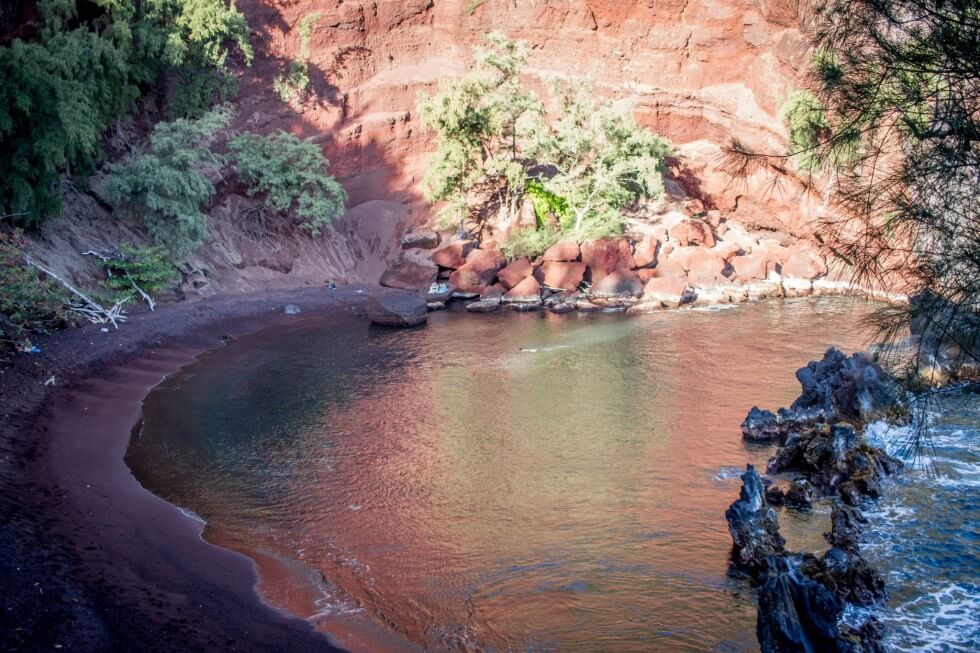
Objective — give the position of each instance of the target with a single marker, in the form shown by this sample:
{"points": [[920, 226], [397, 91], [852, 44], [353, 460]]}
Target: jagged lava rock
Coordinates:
{"points": [[762, 426], [752, 523], [839, 387], [396, 308]]}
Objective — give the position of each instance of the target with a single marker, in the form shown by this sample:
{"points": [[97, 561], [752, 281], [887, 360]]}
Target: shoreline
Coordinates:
{"points": [[120, 551], [95, 561]]}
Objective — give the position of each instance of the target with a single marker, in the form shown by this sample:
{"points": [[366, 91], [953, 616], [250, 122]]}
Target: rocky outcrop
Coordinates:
{"points": [[802, 597], [397, 309], [421, 239], [410, 271]]}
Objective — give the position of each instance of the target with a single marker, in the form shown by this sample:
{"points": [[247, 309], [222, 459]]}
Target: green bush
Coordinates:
{"points": [[290, 175], [529, 242], [291, 85], [29, 303], [147, 268], [168, 186], [84, 68]]}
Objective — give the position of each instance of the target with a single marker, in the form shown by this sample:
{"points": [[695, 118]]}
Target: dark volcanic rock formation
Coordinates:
{"points": [[752, 523], [397, 309]]}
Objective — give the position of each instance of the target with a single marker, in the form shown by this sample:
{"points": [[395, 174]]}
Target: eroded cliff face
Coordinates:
{"points": [[700, 72]]}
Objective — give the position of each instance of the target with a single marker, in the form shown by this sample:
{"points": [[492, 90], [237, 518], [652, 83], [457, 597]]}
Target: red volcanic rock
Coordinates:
{"points": [[645, 254], [563, 250], [606, 255], [479, 271], [704, 266], [804, 264], [752, 267], [496, 291], [691, 232], [396, 308], [646, 274], [561, 275], [454, 254], [669, 269], [619, 283], [412, 270], [420, 238], [668, 291], [515, 273], [526, 292]]}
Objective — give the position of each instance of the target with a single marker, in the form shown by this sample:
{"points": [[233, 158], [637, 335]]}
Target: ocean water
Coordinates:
{"points": [[520, 482]]}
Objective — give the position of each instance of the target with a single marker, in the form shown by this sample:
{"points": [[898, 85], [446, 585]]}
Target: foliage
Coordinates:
{"points": [[602, 159], [149, 268], [900, 83], [496, 149], [85, 68], [291, 176], [807, 122], [289, 86], [530, 242], [168, 186], [546, 204], [480, 121], [29, 304]]}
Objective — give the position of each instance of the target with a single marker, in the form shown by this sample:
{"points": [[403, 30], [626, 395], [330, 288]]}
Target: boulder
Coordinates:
{"points": [[484, 306], [526, 292], [411, 270], [669, 292], [708, 269], [752, 523], [479, 271], [515, 272], [454, 254], [762, 426], [396, 308], [560, 275], [606, 255], [691, 232], [620, 283], [421, 239], [494, 292], [799, 494], [751, 267], [563, 250], [802, 263], [645, 253], [667, 269]]}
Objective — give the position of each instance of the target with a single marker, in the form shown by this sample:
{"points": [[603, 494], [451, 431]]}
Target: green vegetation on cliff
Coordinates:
{"points": [[85, 66], [497, 148]]}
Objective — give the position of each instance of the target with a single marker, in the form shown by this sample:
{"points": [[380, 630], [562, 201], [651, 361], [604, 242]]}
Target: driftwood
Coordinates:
{"points": [[107, 261], [83, 304]]}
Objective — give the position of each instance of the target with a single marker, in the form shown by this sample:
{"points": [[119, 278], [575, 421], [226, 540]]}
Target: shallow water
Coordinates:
{"points": [[501, 482]]}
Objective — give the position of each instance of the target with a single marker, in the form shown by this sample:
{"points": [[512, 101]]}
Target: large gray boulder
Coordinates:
{"points": [[395, 308]]}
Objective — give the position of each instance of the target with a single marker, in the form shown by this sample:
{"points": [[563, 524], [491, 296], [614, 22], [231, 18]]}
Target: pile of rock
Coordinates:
{"points": [[678, 260], [802, 597]]}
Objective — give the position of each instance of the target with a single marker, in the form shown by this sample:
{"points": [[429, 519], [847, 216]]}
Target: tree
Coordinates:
{"points": [[84, 67], [290, 175], [598, 159], [900, 83], [169, 185], [480, 121]]}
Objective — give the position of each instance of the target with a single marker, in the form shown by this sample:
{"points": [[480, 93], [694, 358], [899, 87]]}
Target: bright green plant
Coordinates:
{"points": [[290, 175], [291, 85], [806, 120], [169, 185], [546, 204], [29, 303], [138, 269]]}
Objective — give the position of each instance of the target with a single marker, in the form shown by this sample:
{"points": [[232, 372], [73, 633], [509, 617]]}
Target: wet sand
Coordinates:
{"points": [[91, 560]]}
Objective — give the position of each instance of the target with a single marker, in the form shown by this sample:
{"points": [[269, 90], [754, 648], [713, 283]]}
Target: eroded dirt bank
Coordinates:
{"points": [[92, 561]]}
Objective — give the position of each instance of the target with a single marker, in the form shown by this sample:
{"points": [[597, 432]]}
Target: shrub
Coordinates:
{"points": [[168, 186], [138, 268], [529, 242], [86, 65], [29, 304], [290, 175], [289, 86]]}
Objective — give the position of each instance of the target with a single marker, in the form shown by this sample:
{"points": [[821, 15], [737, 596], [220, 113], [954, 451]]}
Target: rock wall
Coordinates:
{"points": [[699, 71]]}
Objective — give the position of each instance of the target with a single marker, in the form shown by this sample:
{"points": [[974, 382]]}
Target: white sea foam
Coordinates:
{"points": [[946, 620]]}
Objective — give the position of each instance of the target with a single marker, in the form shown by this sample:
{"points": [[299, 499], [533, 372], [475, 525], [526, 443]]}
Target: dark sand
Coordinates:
{"points": [[89, 559]]}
